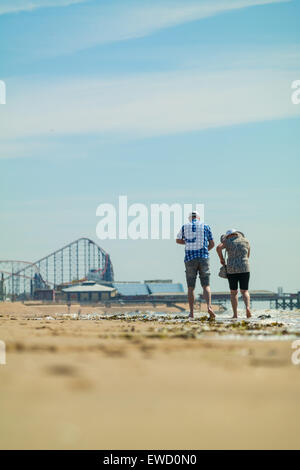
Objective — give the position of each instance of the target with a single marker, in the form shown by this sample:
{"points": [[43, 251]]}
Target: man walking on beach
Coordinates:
{"points": [[198, 241]]}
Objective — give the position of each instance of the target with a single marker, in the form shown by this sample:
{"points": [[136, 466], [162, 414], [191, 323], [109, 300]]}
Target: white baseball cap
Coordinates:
{"points": [[194, 214], [231, 231]]}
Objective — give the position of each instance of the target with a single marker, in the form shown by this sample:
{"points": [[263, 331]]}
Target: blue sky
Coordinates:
{"points": [[164, 101]]}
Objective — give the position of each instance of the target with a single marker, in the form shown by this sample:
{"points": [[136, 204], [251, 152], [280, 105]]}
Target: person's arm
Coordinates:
{"points": [[210, 238], [220, 248], [180, 237], [211, 244], [249, 252]]}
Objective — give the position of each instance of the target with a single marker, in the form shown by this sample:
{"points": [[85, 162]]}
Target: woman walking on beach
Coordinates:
{"points": [[237, 268]]}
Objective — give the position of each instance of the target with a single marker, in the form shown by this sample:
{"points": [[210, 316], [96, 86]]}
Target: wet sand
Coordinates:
{"points": [[119, 384]]}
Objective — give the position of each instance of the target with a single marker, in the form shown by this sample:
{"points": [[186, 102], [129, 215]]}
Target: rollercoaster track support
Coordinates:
{"points": [[81, 259]]}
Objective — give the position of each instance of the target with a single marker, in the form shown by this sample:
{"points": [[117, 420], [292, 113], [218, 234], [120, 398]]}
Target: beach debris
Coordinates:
{"points": [[165, 325]]}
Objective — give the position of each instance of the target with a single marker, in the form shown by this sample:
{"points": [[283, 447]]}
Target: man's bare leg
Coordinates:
{"points": [[246, 297], [207, 297], [234, 302], [191, 299]]}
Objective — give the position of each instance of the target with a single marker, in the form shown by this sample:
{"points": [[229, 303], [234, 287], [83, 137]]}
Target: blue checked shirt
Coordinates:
{"points": [[207, 236]]}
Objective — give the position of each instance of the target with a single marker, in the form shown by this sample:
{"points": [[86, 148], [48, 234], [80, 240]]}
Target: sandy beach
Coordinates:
{"points": [[121, 384]]}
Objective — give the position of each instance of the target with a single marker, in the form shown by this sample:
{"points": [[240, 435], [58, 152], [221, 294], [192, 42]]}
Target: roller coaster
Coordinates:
{"points": [[78, 261]]}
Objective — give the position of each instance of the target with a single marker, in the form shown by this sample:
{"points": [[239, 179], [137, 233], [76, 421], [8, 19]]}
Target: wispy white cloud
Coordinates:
{"points": [[145, 17], [13, 6], [96, 22], [147, 105]]}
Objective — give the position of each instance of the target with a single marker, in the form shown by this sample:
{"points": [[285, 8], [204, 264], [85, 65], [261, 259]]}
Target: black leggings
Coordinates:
{"points": [[238, 278]]}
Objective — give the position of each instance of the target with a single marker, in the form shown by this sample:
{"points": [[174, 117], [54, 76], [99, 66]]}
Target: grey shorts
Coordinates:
{"points": [[195, 266]]}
